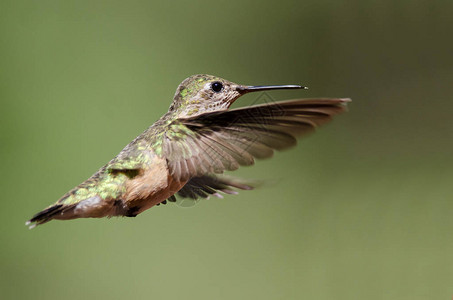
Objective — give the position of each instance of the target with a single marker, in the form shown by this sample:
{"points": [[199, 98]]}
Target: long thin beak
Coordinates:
{"points": [[247, 89]]}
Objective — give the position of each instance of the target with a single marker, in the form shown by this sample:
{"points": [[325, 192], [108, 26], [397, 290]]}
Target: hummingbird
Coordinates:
{"points": [[185, 152]]}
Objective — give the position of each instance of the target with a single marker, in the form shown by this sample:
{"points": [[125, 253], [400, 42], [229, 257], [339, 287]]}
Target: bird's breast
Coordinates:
{"points": [[153, 185]]}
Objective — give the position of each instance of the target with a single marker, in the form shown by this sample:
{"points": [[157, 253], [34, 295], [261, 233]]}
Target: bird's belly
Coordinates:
{"points": [[150, 188]]}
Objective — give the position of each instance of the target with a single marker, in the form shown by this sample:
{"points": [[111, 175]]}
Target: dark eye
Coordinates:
{"points": [[217, 86]]}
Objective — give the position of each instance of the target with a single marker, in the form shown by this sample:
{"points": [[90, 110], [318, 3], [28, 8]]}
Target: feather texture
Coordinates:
{"points": [[207, 185], [224, 140]]}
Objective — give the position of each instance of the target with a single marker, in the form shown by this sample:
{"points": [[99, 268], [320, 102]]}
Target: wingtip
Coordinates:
{"points": [[344, 103], [220, 196]]}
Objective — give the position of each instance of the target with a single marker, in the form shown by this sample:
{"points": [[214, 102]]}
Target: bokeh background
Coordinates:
{"points": [[360, 210]]}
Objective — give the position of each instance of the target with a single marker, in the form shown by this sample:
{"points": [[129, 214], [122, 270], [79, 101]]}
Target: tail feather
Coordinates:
{"points": [[45, 215]]}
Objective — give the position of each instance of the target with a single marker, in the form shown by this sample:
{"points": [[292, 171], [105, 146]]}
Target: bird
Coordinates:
{"points": [[184, 153]]}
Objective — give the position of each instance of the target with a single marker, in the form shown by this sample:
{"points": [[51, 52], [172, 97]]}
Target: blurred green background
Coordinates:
{"points": [[360, 210]]}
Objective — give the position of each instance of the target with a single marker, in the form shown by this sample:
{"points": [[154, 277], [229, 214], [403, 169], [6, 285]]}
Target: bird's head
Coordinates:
{"points": [[198, 94]]}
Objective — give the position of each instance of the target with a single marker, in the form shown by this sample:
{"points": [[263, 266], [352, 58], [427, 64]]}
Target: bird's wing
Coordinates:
{"points": [[205, 186], [218, 141]]}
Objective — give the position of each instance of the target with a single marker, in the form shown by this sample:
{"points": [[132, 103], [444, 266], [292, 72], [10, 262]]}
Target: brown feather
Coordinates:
{"points": [[224, 140]]}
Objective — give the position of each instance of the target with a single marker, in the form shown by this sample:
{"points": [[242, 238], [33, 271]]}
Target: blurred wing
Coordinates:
{"points": [[224, 140]]}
